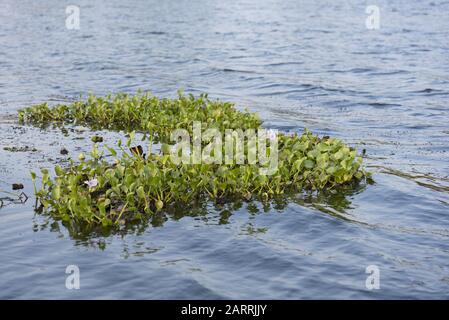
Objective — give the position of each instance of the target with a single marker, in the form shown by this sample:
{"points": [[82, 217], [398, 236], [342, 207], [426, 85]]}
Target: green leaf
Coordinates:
{"points": [[58, 170], [56, 193], [165, 148], [309, 164], [159, 204], [140, 192]]}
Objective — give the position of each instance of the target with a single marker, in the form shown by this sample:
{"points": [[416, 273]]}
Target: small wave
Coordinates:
{"points": [[382, 105], [234, 70], [353, 70], [281, 64], [157, 33], [430, 92], [425, 180], [389, 73]]}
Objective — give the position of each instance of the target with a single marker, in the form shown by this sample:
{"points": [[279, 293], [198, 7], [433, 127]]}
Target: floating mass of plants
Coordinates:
{"points": [[138, 183], [145, 113]]}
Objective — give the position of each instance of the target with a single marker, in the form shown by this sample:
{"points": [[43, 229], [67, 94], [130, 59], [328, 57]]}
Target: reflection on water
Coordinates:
{"points": [[333, 202]]}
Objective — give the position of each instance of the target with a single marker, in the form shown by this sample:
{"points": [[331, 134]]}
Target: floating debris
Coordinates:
{"points": [[137, 151], [20, 149], [17, 186], [97, 139]]}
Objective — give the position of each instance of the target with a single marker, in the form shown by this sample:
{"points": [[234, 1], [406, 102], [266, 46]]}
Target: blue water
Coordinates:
{"points": [[298, 64]]}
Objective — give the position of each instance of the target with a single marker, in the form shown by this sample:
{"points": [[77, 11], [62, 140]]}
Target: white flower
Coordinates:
{"points": [[272, 134], [91, 183]]}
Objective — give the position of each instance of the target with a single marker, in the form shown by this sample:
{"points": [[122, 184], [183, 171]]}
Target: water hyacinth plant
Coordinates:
{"points": [[144, 113], [93, 191]]}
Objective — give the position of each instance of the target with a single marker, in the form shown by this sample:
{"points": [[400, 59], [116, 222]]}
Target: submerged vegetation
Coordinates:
{"points": [[19, 149], [134, 185]]}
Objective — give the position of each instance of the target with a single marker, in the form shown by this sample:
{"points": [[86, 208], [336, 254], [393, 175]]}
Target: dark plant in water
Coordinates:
{"points": [[136, 185]]}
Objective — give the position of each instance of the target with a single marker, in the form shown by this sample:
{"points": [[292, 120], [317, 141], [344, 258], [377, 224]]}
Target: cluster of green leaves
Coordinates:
{"points": [[144, 113], [94, 191], [132, 185]]}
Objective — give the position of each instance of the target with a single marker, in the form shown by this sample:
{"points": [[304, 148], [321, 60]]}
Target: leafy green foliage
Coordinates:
{"points": [[135, 184], [144, 113]]}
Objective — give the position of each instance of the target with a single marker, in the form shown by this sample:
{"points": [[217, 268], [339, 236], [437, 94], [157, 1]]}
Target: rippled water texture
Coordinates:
{"points": [[299, 64]]}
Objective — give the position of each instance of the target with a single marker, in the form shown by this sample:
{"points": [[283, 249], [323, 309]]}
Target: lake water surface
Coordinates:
{"points": [[298, 64]]}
